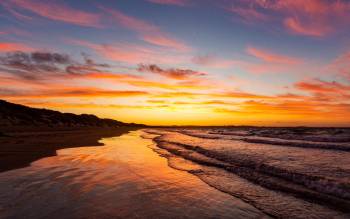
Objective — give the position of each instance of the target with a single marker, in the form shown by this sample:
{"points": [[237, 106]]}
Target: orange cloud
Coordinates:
{"points": [[130, 80], [107, 76], [193, 103], [322, 86], [323, 91], [81, 105], [62, 68], [291, 108], [168, 86], [178, 94], [73, 92], [290, 113], [239, 94], [139, 81], [268, 56], [224, 95], [55, 11], [290, 96], [13, 47]]}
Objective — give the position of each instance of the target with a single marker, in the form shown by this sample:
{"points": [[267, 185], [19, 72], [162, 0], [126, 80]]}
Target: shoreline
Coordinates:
{"points": [[22, 146], [131, 179], [256, 188]]}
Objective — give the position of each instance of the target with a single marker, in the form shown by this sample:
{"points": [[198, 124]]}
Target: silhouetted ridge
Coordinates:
{"points": [[15, 114]]}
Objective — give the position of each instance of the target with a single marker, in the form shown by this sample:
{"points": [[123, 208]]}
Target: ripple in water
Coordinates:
{"points": [[123, 179], [287, 182]]}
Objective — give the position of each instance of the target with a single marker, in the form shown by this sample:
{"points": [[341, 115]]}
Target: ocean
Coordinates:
{"points": [[189, 173]]}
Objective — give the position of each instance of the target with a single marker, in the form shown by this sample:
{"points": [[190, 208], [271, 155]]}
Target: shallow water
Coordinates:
{"points": [[123, 179], [282, 180]]}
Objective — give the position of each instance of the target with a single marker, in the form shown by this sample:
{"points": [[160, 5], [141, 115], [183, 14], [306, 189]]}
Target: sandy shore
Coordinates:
{"points": [[21, 146], [124, 178]]}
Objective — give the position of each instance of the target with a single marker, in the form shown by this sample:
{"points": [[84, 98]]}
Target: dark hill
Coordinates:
{"points": [[18, 115]]}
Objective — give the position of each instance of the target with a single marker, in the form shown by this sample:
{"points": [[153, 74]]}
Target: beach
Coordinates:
{"points": [[125, 178], [175, 109], [22, 145], [179, 173]]}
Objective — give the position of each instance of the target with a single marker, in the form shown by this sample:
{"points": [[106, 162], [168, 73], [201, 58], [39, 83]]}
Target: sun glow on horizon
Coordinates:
{"points": [[166, 63]]}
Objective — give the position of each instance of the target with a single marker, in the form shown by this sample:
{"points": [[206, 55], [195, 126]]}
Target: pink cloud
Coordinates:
{"points": [[212, 61], [54, 11], [295, 26], [262, 67], [166, 41], [310, 18], [248, 14], [130, 22], [10, 7], [132, 53], [147, 31], [15, 31], [314, 17], [124, 53], [271, 57], [341, 66], [170, 2]]}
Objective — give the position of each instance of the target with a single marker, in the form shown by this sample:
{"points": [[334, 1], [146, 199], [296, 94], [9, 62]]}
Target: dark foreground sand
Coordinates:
{"points": [[22, 145]]}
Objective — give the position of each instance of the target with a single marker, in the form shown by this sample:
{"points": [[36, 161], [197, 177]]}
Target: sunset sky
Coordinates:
{"points": [[180, 62]]}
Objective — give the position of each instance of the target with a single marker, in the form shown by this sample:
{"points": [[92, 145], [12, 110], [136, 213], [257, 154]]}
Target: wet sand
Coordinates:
{"points": [[19, 146], [123, 179]]}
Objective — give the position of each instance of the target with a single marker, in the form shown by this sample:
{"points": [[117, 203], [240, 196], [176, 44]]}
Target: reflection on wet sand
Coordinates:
{"points": [[123, 179]]}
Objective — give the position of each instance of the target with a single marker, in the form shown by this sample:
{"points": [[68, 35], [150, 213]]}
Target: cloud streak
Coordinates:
{"points": [[13, 47], [340, 66], [178, 74], [147, 31], [132, 53], [170, 2], [54, 11], [41, 66], [271, 57], [315, 18], [72, 92], [212, 61]]}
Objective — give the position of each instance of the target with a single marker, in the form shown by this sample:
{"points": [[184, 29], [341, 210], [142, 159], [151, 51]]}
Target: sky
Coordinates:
{"points": [[180, 62]]}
